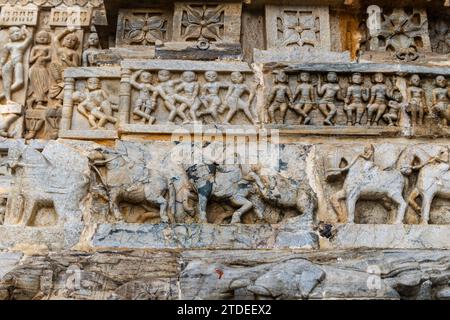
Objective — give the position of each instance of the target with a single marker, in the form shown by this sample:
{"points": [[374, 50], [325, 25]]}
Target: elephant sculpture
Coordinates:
{"points": [[43, 182]]}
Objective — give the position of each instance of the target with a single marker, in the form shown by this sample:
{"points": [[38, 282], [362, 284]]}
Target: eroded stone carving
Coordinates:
{"points": [[39, 185], [329, 93], [440, 36], [417, 105], [298, 26], [366, 179], [201, 27], [441, 100], [142, 27], [210, 97], [234, 98], [135, 183], [280, 97], [404, 34], [66, 44], [190, 96], [378, 100], [94, 105], [12, 61], [346, 148], [354, 100], [91, 50]]}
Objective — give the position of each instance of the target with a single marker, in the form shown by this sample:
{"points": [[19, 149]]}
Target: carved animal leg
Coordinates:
{"points": [[426, 207], [245, 205], [402, 205], [202, 203], [114, 205], [336, 204], [412, 200], [29, 211], [163, 209], [306, 205], [351, 204]]}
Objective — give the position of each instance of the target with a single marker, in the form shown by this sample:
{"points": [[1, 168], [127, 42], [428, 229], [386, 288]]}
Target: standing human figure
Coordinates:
{"points": [[416, 100], [234, 99], [306, 101], [11, 61], [354, 106], [330, 92], [378, 100], [280, 97]]}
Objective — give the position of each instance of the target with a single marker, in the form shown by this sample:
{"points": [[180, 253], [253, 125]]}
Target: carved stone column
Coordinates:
{"points": [[125, 97], [67, 109]]}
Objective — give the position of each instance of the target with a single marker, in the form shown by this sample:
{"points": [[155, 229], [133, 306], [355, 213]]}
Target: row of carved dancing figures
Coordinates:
{"points": [[384, 102], [184, 98], [48, 59], [187, 95]]}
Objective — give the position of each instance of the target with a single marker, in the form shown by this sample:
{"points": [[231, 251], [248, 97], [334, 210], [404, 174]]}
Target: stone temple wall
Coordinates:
{"points": [[224, 150]]}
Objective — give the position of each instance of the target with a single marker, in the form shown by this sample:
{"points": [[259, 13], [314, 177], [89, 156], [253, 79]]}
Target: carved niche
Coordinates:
{"points": [[143, 27], [91, 103], [440, 35], [298, 34], [204, 23], [204, 30], [399, 31], [298, 26], [15, 40]]}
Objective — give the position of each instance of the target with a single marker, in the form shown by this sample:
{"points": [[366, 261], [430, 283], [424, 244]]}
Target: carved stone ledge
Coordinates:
{"points": [[391, 236], [306, 130], [89, 134], [204, 236], [51, 238], [179, 50], [364, 67], [180, 65]]}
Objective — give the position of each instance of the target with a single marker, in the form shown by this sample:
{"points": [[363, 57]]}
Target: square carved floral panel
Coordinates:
{"points": [[143, 27], [298, 26], [207, 22]]}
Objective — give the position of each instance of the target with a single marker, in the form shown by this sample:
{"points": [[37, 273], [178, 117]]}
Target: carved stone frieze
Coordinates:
{"points": [[224, 149]]}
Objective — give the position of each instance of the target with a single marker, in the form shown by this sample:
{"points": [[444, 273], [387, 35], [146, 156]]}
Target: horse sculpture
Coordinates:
{"points": [[366, 180], [433, 178], [129, 181]]}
